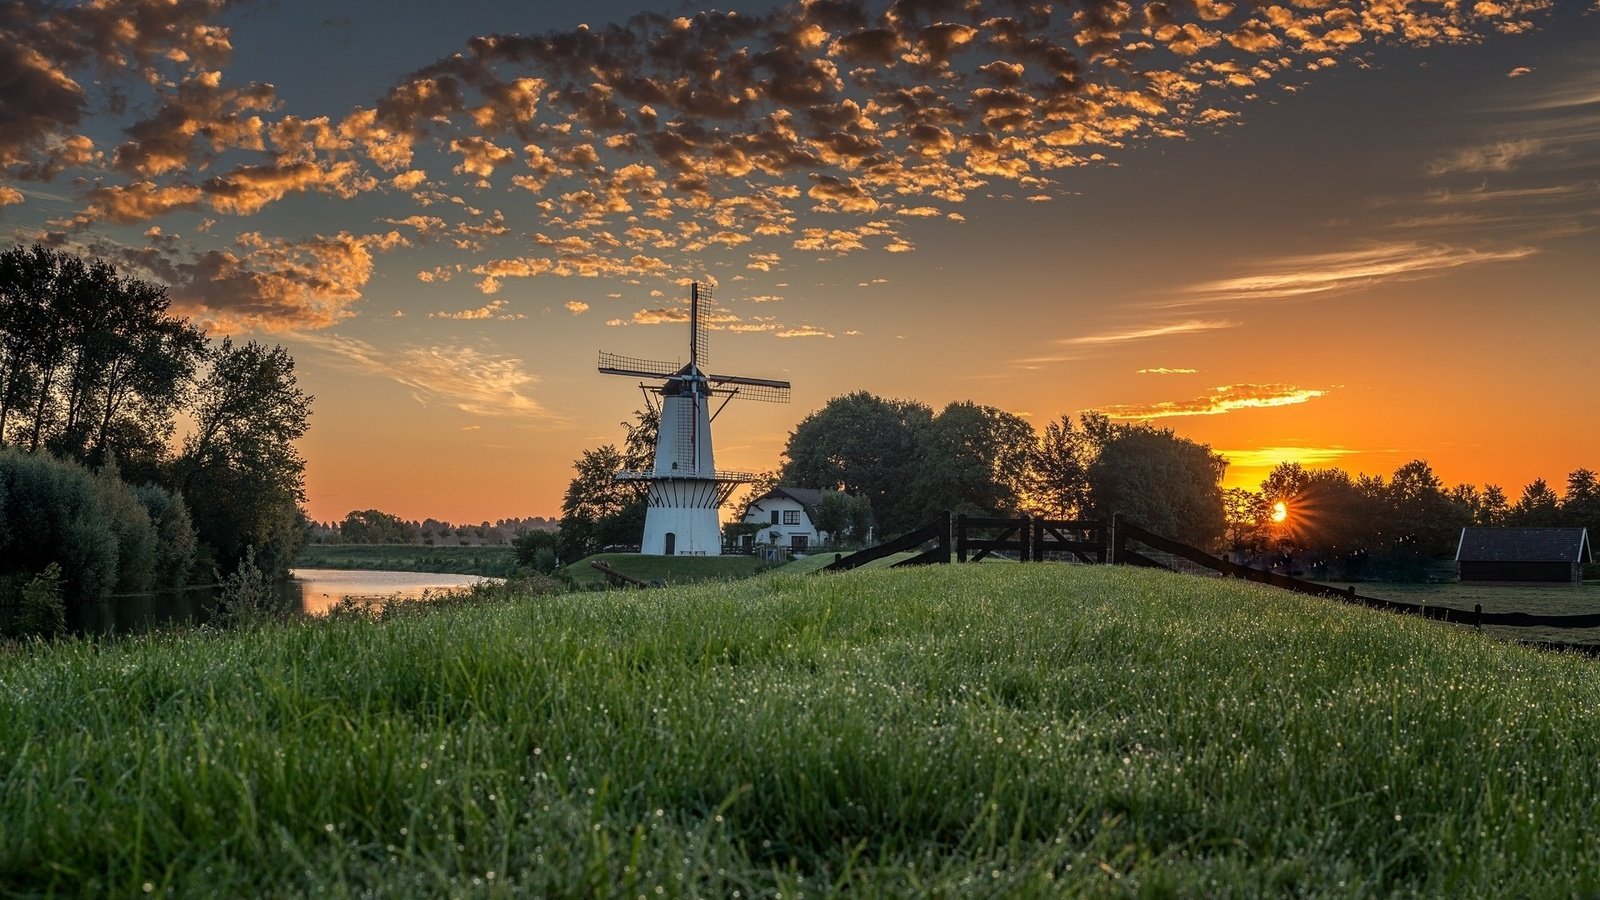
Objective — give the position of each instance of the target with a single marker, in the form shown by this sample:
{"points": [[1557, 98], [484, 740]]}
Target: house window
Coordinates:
{"points": [[774, 517], [791, 517], [797, 541]]}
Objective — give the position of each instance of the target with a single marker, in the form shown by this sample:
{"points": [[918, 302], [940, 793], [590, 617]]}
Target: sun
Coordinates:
{"points": [[1280, 511]]}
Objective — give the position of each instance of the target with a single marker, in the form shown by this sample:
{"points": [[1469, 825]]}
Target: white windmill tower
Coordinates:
{"points": [[685, 487]]}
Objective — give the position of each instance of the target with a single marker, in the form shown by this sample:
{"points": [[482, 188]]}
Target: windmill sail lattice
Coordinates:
{"points": [[685, 487]]}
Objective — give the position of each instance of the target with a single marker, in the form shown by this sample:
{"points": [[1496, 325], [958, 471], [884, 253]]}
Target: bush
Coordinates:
{"points": [[130, 523], [42, 611], [175, 537], [50, 512], [247, 597]]}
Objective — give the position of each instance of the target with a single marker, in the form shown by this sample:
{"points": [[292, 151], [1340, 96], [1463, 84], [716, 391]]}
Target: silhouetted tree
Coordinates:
{"points": [[863, 445], [239, 467], [1168, 484]]}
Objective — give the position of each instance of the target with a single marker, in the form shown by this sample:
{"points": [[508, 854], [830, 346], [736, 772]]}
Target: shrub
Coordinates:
{"points": [[50, 512], [247, 597], [42, 611]]}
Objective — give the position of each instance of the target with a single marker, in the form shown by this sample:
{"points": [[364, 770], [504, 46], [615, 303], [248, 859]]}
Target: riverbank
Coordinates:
{"points": [[960, 731], [492, 562]]}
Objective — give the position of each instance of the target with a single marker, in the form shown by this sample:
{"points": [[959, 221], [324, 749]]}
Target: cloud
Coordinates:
{"points": [[494, 309], [1225, 399], [1269, 457], [1501, 156], [1193, 326], [468, 378], [647, 144], [1348, 270], [269, 284], [802, 331], [1518, 72], [576, 307], [1166, 371]]}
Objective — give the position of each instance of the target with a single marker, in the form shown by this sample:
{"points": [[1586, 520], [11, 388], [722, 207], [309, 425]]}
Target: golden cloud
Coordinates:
{"points": [[1225, 399], [494, 309], [471, 379]]}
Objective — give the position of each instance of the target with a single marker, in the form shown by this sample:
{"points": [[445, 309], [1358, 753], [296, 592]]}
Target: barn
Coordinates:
{"points": [[1524, 554]]}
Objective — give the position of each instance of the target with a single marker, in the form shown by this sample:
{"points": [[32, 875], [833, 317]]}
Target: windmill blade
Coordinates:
{"points": [[627, 366], [754, 382], [735, 386]]}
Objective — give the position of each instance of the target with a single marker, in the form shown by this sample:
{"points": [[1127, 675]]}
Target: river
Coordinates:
{"points": [[309, 592]]}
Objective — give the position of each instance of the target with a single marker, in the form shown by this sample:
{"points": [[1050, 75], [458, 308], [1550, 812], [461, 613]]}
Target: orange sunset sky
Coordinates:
{"points": [[1342, 233]]}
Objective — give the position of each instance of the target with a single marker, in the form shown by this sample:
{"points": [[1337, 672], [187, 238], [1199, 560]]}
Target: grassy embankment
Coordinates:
{"points": [[983, 731], [497, 562], [668, 569]]}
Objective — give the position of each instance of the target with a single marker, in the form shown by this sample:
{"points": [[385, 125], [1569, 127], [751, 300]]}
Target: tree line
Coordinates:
{"points": [[1339, 525], [96, 372], [373, 526], [893, 464], [906, 462]]}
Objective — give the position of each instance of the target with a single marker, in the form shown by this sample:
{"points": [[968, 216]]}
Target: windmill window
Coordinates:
{"points": [[791, 517]]}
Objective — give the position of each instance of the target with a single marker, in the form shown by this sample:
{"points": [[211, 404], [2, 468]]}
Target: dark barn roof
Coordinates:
{"points": [[1569, 545]]}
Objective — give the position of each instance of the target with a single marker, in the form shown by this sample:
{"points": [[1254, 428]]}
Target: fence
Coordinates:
{"points": [[937, 532]]}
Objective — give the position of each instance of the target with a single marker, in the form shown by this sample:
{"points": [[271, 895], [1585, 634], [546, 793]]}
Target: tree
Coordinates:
{"points": [[1059, 486], [596, 510], [371, 526], [1424, 521], [535, 548], [1581, 505], [863, 445], [91, 361], [1538, 507], [239, 468], [974, 460], [843, 518], [1162, 482]]}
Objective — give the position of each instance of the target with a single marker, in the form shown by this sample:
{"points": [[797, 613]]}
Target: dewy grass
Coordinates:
{"points": [[952, 731]]}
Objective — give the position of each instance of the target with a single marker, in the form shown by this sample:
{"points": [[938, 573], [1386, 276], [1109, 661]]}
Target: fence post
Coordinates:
{"points": [[944, 537], [1115, 538], [1038, 540], [1477, 616], [961, 538], [1026, 537]]}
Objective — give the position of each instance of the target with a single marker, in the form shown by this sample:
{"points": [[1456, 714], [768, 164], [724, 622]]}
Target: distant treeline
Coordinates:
{"points": [[1352, 526], [98, 493], [371, 526]]}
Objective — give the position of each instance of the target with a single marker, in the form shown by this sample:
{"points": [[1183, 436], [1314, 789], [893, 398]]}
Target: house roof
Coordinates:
{"points": [[1524, 545], [809, 498]]}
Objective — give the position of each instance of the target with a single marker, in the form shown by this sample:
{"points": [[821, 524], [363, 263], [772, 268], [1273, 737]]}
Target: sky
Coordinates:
{"points": [[1338, 233]]}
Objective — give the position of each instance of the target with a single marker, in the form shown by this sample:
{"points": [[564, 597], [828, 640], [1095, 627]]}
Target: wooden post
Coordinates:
{"points": [[944, 536], [1118, 542], [961, 538], [1025, 535], [1477, 616]]}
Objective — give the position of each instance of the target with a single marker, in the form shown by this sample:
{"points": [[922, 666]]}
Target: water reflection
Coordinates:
{"points": [[318, 589], [309, 592]]}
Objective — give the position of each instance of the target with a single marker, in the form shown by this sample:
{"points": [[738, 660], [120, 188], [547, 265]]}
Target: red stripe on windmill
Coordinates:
{"points": [[686, 489]]}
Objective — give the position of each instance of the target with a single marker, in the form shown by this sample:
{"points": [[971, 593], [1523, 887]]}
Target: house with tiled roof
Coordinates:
{"points": [[787, 518], [1524, 554]]}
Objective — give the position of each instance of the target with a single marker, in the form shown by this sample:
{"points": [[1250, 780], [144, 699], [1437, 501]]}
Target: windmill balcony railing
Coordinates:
{"points": [[720, 477]]}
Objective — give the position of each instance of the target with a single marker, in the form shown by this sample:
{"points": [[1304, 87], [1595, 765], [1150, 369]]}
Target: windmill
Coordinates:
{"points": [[685, 487]]}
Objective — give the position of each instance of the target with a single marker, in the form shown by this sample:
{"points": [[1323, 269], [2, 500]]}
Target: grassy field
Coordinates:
{"points": [[986, 731], [667, 569], [491, 561]]}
